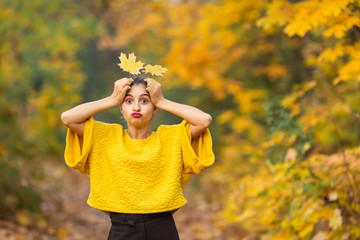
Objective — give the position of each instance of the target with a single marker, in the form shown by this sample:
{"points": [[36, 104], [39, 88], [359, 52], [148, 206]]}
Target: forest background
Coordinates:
{"points": [[280, 78]]}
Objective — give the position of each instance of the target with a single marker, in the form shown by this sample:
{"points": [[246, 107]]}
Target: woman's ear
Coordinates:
{"points": [[155, 110]]}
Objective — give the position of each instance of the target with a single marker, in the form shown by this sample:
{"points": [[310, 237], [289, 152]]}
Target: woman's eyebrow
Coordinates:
{"points": [[144, 94]]}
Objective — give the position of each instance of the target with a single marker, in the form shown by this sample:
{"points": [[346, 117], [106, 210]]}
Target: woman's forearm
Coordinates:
{"points": [[83, 111], [198, 119]]}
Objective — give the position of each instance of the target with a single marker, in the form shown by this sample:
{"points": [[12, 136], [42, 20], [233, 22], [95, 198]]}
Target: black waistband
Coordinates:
{"points": [[129, 219]]}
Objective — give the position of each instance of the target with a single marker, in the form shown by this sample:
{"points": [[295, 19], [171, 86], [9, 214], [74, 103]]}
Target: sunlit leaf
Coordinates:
{"points": [[156, 70], [130, 64]]}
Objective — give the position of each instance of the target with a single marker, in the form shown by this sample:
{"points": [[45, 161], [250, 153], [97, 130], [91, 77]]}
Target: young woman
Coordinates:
{"points": [[137, 175]]}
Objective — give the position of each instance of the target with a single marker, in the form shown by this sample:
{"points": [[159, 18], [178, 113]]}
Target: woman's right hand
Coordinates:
{"points": [[121, 87], [75, 118]]}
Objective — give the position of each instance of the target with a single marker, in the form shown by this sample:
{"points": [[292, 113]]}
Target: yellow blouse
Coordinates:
{"points": [[138, 175]]}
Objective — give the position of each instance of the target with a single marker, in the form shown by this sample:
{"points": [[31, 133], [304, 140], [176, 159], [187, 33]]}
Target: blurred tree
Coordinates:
{"points": [[286, 74], [40, 77], [281, 79]]}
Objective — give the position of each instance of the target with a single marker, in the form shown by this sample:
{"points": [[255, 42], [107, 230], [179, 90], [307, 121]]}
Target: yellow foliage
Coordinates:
{"points": [[130, 64], [156, 70], [290, 101], [302, 17], [24, 218], [299, 27], [341, 25], [350, 71], [225, 116], [337, 31], [62, 233], [311, 61], [256, 199], [331, 54], [228, 49], [277, 14]]}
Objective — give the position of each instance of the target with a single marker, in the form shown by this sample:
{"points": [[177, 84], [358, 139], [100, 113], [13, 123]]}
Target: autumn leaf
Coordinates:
{"points": [[156, 70], [331, 54], [298, 27], [337, 31], [129, 64]]}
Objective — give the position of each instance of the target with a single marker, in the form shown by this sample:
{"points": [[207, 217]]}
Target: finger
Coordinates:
{"points": [[125, 79], [147, 80], [127, 82]]}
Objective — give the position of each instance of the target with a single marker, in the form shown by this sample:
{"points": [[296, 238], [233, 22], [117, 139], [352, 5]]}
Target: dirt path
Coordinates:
{"points": [[68, 217]]}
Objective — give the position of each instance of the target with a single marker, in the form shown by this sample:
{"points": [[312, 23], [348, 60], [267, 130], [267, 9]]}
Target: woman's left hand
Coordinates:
{"points": [[154, 88], [198, 119]]}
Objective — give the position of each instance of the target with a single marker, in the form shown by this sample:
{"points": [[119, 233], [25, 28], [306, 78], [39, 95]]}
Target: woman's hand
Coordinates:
{"points": [[75, 118], [198, 119], [154, 88], [121, 87]]}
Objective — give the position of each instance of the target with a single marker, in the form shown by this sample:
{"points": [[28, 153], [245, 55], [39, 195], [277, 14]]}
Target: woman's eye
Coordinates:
{"points": [[128, 101], [144, 101]]}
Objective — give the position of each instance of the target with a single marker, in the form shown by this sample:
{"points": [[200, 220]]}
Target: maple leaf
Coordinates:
{"points": [[156, 70], [129, 64], [297, 27]]}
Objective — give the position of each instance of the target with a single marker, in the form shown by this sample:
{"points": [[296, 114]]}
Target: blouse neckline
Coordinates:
{"points": [[138, 140]]}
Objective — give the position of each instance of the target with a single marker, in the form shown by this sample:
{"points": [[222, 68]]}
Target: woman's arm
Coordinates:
{"points": [[198, 119], [75, 118]]}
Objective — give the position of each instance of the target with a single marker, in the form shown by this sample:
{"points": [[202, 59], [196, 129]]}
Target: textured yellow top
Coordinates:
{"points": [[135, 175]]}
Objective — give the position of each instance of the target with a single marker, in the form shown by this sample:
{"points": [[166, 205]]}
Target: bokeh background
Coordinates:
{"points": [[280, 78]]}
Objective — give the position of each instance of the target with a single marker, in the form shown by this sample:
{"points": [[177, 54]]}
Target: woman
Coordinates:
{"points": [[137, 175]]}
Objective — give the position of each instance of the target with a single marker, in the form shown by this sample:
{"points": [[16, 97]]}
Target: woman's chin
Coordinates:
{"points": [[137, 122]]}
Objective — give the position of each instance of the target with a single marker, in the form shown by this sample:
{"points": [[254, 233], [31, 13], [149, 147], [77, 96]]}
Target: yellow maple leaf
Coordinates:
{"points": [[337, 31], [129, 64], [297, 27], [156, 70], [331, 54]]}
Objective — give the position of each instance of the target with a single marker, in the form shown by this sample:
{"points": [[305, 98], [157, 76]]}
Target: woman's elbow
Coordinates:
{"points": [[65, 119], [207, 120]]}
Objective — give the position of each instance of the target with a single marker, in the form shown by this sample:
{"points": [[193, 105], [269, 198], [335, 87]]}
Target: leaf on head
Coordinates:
{"points": [[156, 70], [129, 64]]}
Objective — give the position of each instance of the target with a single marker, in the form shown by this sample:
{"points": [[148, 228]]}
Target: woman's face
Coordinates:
{"points": [[137, 107]]}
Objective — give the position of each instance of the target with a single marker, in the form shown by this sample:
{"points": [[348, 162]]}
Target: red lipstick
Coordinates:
{"points": [[136, 115]]}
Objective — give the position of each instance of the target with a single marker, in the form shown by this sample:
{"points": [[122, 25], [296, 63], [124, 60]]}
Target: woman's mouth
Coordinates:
{"points": [[136, 115]]}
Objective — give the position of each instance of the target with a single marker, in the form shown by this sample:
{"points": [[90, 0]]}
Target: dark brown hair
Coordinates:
{"points": [[138, 80]]}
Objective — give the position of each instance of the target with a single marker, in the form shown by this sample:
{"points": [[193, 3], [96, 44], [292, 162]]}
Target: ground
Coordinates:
{"points": [[68, 217]]}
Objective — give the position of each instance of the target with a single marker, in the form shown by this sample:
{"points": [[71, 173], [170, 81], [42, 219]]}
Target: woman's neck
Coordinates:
{"points": [[139, 133]]}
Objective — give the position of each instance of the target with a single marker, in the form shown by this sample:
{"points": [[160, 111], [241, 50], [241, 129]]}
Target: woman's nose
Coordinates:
{"points": [[136, 106]]}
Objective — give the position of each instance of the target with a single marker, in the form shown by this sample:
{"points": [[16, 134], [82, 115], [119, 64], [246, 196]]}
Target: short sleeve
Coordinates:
{"points": [[77, 153], [197, 153]]}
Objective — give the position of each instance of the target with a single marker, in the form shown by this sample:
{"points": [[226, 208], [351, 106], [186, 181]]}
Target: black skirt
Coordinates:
{"points": [[156, 226]]}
